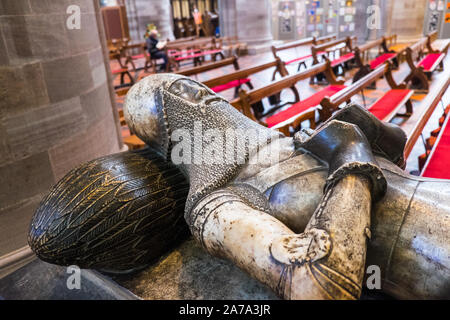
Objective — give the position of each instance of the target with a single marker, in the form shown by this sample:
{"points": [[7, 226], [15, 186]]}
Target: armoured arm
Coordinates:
{"points": [[326, 261]]}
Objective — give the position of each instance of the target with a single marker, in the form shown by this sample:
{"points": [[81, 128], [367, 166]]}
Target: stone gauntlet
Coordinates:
{"points": [[386, 140], [346, 150]]}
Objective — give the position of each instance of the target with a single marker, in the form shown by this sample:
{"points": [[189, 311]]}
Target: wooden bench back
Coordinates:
{"points": [[292, 44], [322, 47], [416, 50], [302, 42], [370, 45], [429, 105], [432, 36], [247, 98], [233, 60], [362, 50], [391, 40], [194, 44], [344, 95], [245, 73], [186, 39]]}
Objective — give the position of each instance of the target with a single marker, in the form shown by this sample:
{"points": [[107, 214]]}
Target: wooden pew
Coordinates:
{"points": [[384, 54], [232, 46], [423, 60], [195, 50], [437, 158], [346, 55], [240, 77], [391, 41], [129, 139], [386, 107], [130, 58], [298, 111], [233, 60], [184, 40], [295, 44], [128, 50], [122, 69], [429, 105]]}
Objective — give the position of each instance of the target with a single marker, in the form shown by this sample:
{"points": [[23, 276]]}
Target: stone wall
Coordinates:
{"points": [[143, 12], [55, 105], [249, 21], [407, 18]]}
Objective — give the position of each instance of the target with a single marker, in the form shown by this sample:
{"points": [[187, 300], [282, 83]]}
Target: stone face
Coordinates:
{"points": [[408, 18], [42, 40]]}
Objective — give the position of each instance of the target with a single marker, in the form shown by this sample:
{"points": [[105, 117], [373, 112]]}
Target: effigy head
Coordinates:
{"points": [[163, 108], [146, 105]]}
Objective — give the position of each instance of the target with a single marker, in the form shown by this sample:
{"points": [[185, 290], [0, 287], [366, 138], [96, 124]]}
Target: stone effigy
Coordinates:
{"points": [[303, 215]]}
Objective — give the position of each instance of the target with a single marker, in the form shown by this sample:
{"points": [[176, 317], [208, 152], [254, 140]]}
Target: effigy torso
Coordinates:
{"points": [[409, 240]]}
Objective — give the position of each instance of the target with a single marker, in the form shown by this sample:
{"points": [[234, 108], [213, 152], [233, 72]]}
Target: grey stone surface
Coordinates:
{"points": [[42, 281], [55, 108], [143, 12], [49, 125], [83, 39], [42, 40], [188, 272], [15, 7], [249, 21], [23, 88], [67, 77], [76, 150], [17, 219], [95, 104], [3, 53], [60, 6], [14, 30], [407, 18], [24, 179]]}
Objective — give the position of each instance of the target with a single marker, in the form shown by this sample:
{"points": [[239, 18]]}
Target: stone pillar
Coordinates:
{"points": [[407, 18], [250, 21], [55, 105], [143, 12]]}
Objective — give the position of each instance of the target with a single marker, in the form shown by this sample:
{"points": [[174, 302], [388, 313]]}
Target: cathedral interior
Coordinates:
{"points": [[350, 96]]}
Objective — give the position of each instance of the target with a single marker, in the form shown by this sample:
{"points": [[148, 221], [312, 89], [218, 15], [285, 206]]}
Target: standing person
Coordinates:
{"points": [[154, 47]]}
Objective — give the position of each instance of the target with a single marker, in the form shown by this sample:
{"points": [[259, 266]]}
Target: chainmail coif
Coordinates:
{"points": [[176, 112]]}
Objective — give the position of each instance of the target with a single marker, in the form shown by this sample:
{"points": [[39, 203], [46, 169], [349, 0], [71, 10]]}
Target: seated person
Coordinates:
{"points": [[154, 47]]}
